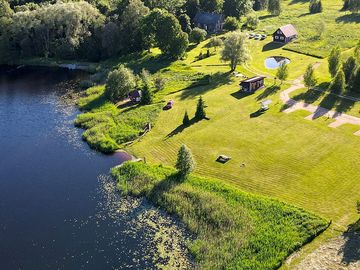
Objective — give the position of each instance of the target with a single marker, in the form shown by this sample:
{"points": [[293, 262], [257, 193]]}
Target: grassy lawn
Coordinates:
{"points": [[234, 230], [302, 162], [341, 28]]}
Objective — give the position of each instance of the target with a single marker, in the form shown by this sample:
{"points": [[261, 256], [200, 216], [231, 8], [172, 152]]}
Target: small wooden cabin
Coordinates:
{"points": [[252, 84], [135, 96], [285, 34]]}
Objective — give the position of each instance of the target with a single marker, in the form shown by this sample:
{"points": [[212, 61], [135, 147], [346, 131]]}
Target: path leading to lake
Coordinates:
{"points": [[316, 111]]}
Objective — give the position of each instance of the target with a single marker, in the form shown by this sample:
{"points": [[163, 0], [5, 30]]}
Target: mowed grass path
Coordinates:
{"points": [[301, 162]]}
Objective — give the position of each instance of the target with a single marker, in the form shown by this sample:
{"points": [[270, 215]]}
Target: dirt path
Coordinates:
{"points": [[316, 111], [341, 253]]}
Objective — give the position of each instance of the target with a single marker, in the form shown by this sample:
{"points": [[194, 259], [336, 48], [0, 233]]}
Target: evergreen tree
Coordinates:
{"points": [[186, 119], [334, 61], [309, 77], [349, 67], [338, 83], [185, 163], [315, 6], [355, 81], [274, 7], [282, 72], [200, 109]]}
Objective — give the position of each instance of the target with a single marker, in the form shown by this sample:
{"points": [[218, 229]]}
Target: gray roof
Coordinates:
{"points": [[253, 79], [208, 18], [288, 30]]}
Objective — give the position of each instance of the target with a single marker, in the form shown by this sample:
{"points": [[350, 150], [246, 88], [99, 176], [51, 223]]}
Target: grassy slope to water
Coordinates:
{"points": [[235, 230]]}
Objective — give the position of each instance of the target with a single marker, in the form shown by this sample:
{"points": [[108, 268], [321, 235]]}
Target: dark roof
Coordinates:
{"points": [[253, 79], [208, 18], [288, 30], [135, 94]]}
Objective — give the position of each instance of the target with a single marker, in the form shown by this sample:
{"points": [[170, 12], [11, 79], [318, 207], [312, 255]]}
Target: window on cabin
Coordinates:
{"points": [[282, 38], [276, 37]]}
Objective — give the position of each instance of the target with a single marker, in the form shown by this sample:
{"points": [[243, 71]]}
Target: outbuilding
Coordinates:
{"points": [[252, 84], [285, 34], [135, 96]]}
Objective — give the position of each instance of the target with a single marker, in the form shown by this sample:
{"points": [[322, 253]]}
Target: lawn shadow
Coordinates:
{"points": [[268, 16], [95, 103], [165, 186], [152, 63], [257, 113], [343, 105], [293, 2], [205, 84], [349, 18], [310, 96], [240, 94], [272, 46], [326, 104], [269, 91], [182, 127], [304, 15], [351, 248]]}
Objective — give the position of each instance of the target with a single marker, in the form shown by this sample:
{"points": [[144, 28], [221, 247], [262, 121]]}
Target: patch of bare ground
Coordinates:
{"points": [[341, 253]]}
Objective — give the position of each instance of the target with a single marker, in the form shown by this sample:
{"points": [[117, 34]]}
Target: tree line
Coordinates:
{"points": [[99, 29]]}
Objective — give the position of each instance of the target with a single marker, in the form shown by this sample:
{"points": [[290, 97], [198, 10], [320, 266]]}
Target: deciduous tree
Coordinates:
{"points": [[338, 83], [235, 49], [237, 8], [274, 7], [349, 67], [309, 77], [282, 72], [231, 24], [197, 35], [120, 83]]}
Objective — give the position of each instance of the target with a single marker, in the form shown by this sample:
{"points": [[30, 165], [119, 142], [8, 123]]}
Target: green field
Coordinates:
{"points": [[234, 230]]}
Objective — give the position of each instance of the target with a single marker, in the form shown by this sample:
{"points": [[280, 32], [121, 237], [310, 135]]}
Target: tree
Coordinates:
{"points": [[120, 83], [309, 77], [353, 5], [252, 21], [172, 6], [185, 163], [185, 23], [200, 109], [260, 4], [282, 72], [159, 83], [357, 52], [355, 81], [163, 29], [130, 25], [211, 5], [5, 9], [231, 24], [147, 97], [215, 42], [235, 49], [197, 35], [349, 67], [315, 6], [274, 7], [338, 83], [192, 7], [186, 119], [334, 61], [237, 8]]}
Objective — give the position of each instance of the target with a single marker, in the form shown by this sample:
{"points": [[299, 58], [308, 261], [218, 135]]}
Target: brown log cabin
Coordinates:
{"points": [[252, 84]]}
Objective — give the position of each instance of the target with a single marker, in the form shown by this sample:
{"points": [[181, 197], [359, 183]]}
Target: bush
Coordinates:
{"points": [[120, 83], [252, 21], [197, 35], [231, 24], [315, 6]]}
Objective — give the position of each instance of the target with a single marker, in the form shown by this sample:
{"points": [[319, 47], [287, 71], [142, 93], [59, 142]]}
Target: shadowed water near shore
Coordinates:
{"points": [[59, 209]]}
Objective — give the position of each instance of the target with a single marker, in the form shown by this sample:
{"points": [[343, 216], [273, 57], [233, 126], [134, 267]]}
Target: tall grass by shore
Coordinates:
{"points": [[234, 229]]}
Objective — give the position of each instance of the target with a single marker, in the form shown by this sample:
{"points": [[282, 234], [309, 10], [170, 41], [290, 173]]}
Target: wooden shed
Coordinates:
{"points": [[252, 84]]}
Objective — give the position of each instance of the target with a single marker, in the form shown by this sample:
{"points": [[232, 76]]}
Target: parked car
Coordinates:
{"points": [[263, 37], [251, 35], [169, 105], [257, 36]]}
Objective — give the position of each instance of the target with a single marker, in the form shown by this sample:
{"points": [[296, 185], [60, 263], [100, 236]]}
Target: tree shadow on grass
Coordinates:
{"points": [[164, 186], [144, 60], [351, 248], [95, 103], [272, 46], [267, 17], [205, 84], [182, 127], [293, 2], [240, 95], [304, 15], [310, 96], [269, 91], [349, 18]]}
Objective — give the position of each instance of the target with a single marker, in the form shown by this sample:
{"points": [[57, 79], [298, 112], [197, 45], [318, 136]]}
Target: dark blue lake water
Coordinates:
{"points": [[59, 209]]}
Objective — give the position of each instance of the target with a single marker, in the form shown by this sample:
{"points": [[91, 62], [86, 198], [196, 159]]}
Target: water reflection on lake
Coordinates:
{"points": [[59, 209]]}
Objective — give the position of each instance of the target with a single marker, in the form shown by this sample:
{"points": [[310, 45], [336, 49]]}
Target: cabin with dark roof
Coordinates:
{"points": [[252, 84], [211, 22], [285, 34], [135, 96]]}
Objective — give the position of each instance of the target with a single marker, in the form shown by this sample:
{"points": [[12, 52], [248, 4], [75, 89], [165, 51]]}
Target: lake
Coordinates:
{"points": [[59, 208]]}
